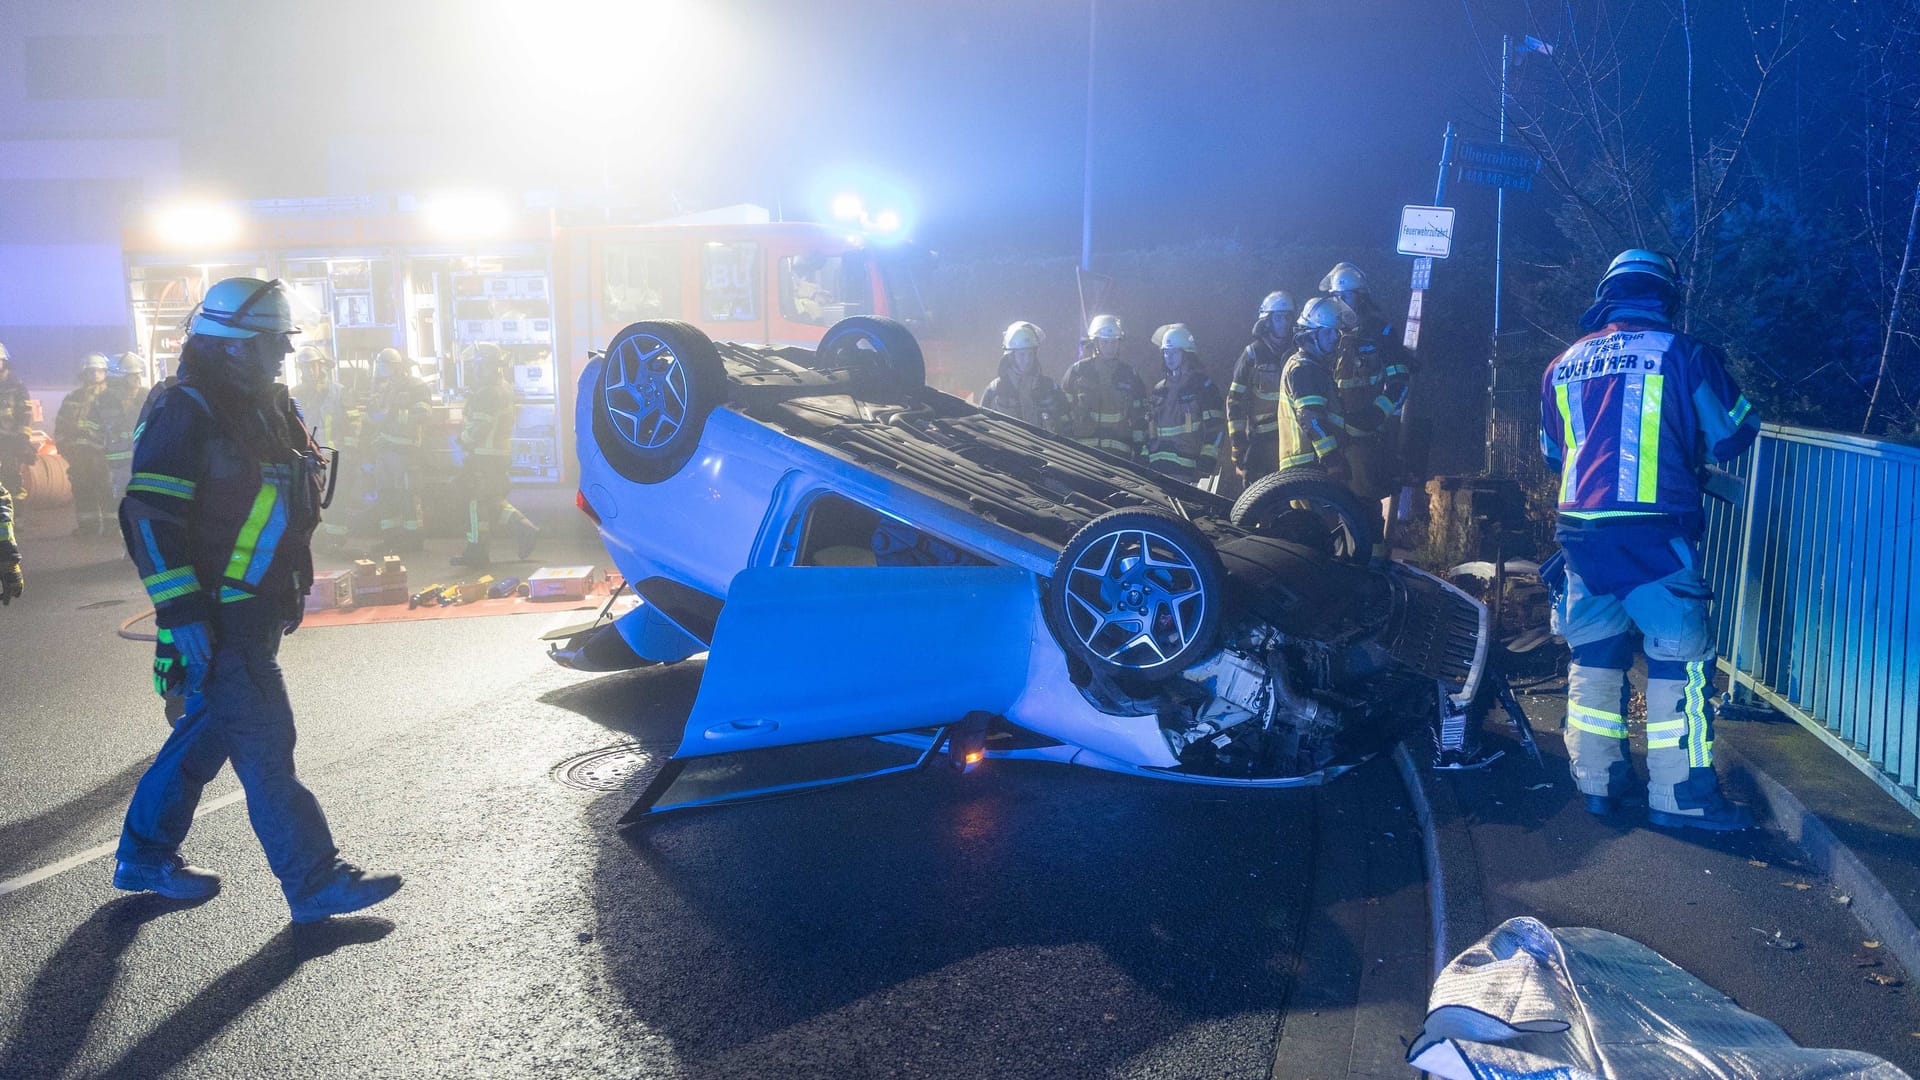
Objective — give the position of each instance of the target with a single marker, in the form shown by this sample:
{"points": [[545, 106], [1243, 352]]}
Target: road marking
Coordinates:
{"points": [[81, 858]]}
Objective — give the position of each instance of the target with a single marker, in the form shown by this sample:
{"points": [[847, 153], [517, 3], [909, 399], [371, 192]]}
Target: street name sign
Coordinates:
{"points": [[1426, 231], [1496, 164]]}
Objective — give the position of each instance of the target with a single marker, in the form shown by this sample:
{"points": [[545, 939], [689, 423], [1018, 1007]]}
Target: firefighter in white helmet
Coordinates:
{"points": [[1106, 401], [1253, 395], [1312, 431], [1186, 418], [1373, 377], [1022, 390], [16, 447], [219, 518]]}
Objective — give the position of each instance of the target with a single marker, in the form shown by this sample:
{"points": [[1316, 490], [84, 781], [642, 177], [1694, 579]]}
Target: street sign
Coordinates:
{"points": [[1426, 231], [1422, 273], [1496, 164]]}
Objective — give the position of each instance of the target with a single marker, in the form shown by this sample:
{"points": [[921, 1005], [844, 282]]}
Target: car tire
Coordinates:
{"points": [[1126, 617], [656, 387], [880, 348], [1305, 505]]}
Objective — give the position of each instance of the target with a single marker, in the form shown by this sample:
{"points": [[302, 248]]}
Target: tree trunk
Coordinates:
{"points": [[1893, 317]]}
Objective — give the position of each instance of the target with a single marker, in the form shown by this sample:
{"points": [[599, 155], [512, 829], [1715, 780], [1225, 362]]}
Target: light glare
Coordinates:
{"points": [[468, 215], [848, 207], [197, 226]]}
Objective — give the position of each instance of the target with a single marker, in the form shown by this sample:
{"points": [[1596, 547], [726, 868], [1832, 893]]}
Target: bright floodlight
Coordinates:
{"points": [[468, 215], [197, 226], [886, 221], [848, 207]]}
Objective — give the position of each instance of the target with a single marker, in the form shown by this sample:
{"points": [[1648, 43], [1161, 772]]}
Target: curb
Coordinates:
{"points": [[1456, 899], [1872, 904]]}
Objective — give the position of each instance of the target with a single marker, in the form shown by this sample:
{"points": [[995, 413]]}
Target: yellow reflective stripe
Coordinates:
{"points": [[1740, 410], [1397, 369], [1310, 399], [1663, 744], [1349, 384], [1168, 455], [1649, 487], [1384, 403], [162, 484], [1183, 429], [1306, 458], [1238, 388], [1699, 748], [1107, 417], [170, 584], [244, 544], [1326, 446], [229, 595], [1594, 729], [1570, 448]]}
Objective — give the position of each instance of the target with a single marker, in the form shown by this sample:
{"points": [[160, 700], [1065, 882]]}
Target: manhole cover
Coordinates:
{"points": [[609, 768]]}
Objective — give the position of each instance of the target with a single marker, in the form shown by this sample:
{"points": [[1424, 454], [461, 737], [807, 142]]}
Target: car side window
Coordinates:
{"points": [[730, 281], [836, 531], [640, 281]]}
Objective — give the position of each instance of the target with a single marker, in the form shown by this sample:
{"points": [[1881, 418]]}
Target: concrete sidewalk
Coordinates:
{"points": [[1778, 926]]}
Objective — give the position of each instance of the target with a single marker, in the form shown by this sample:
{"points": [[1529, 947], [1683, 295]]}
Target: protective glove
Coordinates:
{"points": [[195, 642], [293, 620], [13, 580]]}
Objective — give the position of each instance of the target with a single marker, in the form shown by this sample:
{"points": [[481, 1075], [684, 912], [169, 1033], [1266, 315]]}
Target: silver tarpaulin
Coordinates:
{"points": [[1530, 1003]]}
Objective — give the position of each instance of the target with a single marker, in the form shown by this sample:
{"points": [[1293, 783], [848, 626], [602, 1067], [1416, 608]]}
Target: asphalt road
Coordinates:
{"points": [[1016, 921]]}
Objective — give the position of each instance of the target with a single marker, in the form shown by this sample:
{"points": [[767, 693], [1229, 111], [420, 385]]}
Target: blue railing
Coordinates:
{"points": [[1818, 609]]}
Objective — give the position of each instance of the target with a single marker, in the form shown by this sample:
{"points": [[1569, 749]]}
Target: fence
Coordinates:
{"points": [[1819, 600]]}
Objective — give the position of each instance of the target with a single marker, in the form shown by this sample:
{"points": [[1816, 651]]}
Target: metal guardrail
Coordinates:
{"points": [[1817, 574]]}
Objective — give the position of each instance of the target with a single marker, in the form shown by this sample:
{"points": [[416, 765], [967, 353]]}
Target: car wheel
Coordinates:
{"points": [[1137, 592], [657, 385], [875, 346], [1306, 506]]}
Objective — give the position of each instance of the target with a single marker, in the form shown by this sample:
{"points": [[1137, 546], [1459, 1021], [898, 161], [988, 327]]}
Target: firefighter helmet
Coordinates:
{"points": [[1177, 336], [1106, 328], [95, 362], [1641, 261], [1022, 335], [1344, 277], [244, 307], [1277, 301], [1326, 312]]}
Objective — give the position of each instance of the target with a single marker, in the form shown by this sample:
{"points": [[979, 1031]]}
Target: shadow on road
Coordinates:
{"points": [[64, 999], [26, 840]]}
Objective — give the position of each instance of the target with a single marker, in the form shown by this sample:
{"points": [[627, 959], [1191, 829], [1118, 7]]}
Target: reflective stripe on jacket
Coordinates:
{"points": [[1253, 398], [1186, 422], [1032, 398], [1311, 426], [488, 421], [1630, 413], [1107, 406]]}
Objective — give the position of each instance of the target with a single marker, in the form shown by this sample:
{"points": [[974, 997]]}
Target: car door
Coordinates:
{"points": [[805, 654]]}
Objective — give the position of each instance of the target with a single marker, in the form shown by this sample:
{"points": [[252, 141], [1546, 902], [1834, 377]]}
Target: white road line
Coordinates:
{"points": [[81, 858]]}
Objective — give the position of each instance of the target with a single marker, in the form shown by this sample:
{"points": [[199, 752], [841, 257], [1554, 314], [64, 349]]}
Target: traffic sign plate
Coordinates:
{"points": [[1426, 231]]}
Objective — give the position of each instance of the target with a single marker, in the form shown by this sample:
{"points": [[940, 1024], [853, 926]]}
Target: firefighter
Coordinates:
{"points": [[1187, 418], [1253, 397], [1630, 414], [487, 437], [13, 580], [16, 415], [1312, 430], [77, 431], [218, 518], [1106, 401], [1372, 377], [118, 413], [1022, 390], [397, 417]]}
